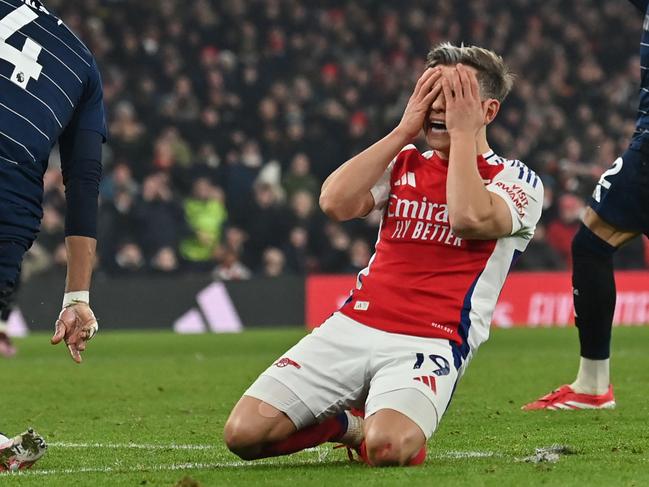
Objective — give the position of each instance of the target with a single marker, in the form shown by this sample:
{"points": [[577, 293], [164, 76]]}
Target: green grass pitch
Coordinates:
{"points": [[148, 409]]}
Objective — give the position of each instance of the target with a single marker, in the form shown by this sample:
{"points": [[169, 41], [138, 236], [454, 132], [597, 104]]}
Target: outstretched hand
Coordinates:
{"points": [[76, 325], [425, 92]]}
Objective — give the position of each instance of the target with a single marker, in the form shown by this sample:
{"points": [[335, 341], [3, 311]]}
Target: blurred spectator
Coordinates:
{"points": [[296, 251], [165, 260], [299, 178], [231, 268], [359, 256], [117, 226], [160, 222], [336, 258], [205, 214], [37, 260], [267, 223], [129, 139], [129, 257], [539, 255], [562, 230], [52, 233], [273, 262], [119, 179]]}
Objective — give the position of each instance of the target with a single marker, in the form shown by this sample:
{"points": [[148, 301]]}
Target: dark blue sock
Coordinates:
{"points": [[593, 286]]}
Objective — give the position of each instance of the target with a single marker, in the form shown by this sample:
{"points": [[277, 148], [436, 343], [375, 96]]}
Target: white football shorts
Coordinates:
{"points": [[344, 364]]}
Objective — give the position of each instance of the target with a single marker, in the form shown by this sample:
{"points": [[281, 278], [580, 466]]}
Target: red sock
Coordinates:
{"points": [[362, 451], [308, 437], [418, 459]]}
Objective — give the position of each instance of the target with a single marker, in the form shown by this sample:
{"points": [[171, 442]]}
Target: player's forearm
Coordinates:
{"points": [[81, 259], [346, 189], [469, 203]]}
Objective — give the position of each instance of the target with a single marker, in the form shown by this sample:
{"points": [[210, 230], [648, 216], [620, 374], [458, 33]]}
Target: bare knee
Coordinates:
{"points": [[253, 424], [389, 448], [241, 439]]}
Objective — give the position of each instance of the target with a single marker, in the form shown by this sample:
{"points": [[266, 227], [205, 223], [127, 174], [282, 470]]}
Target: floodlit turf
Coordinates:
{"points": [[157, 390]]}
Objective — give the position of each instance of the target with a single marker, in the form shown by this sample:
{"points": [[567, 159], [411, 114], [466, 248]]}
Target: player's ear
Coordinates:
{"points": [[491, 108]]}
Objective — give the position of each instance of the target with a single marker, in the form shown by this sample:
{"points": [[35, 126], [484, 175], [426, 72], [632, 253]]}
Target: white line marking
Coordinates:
{"points": [[214, 465], [135, 446], [151, 468], [204, 466], [465, 454], [174, 446]]}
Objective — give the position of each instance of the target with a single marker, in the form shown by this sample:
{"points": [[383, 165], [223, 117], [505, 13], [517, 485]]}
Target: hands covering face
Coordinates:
{"points": [[465, 111], [450, 91]]}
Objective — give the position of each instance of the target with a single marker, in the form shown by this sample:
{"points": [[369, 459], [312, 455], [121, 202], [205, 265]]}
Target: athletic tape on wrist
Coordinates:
{"points": [[76, 297]]}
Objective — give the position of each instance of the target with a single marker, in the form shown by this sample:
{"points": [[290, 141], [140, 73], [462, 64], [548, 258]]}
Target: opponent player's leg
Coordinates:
{"points": [[299, 401], [617, 214], [410, 391], [7, 348], [11, 255], [594, 296]]}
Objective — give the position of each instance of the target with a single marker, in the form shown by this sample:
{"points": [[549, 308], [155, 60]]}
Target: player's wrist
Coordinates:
{"points": [[400, 134], [76, 297], [461, 133]]}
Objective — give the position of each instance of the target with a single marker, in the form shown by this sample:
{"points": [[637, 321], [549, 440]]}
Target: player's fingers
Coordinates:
{"points": [[74, 352], [422, 79], [59, 333], [456, 83], [433, 94], [465, 81], [429, 84], [92, 330], [81, 345], [446, 88]]}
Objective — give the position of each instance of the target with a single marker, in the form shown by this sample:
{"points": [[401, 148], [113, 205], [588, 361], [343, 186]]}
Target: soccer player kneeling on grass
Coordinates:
{"points": [[454, 220]]}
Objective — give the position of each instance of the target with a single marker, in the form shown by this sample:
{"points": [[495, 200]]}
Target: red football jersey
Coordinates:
{"points": [[425, 281]]}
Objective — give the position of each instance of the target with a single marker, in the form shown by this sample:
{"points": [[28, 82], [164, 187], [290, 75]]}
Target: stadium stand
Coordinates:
{"points": [[226, 116]]}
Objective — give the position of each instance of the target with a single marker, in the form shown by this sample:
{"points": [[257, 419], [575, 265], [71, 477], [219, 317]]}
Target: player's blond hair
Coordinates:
{"points": [[494, 76]]}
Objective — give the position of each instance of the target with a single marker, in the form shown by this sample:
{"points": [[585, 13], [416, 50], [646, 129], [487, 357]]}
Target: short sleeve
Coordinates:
{"points": [[381, 190], [522, 190]]}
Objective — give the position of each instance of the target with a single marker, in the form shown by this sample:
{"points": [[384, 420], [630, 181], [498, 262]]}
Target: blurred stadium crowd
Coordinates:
{"points": [[225, 117]]}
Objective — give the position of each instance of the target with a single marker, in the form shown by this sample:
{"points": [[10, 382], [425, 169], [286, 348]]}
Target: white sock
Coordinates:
{"points": [[593, 377], [4, 326]]}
